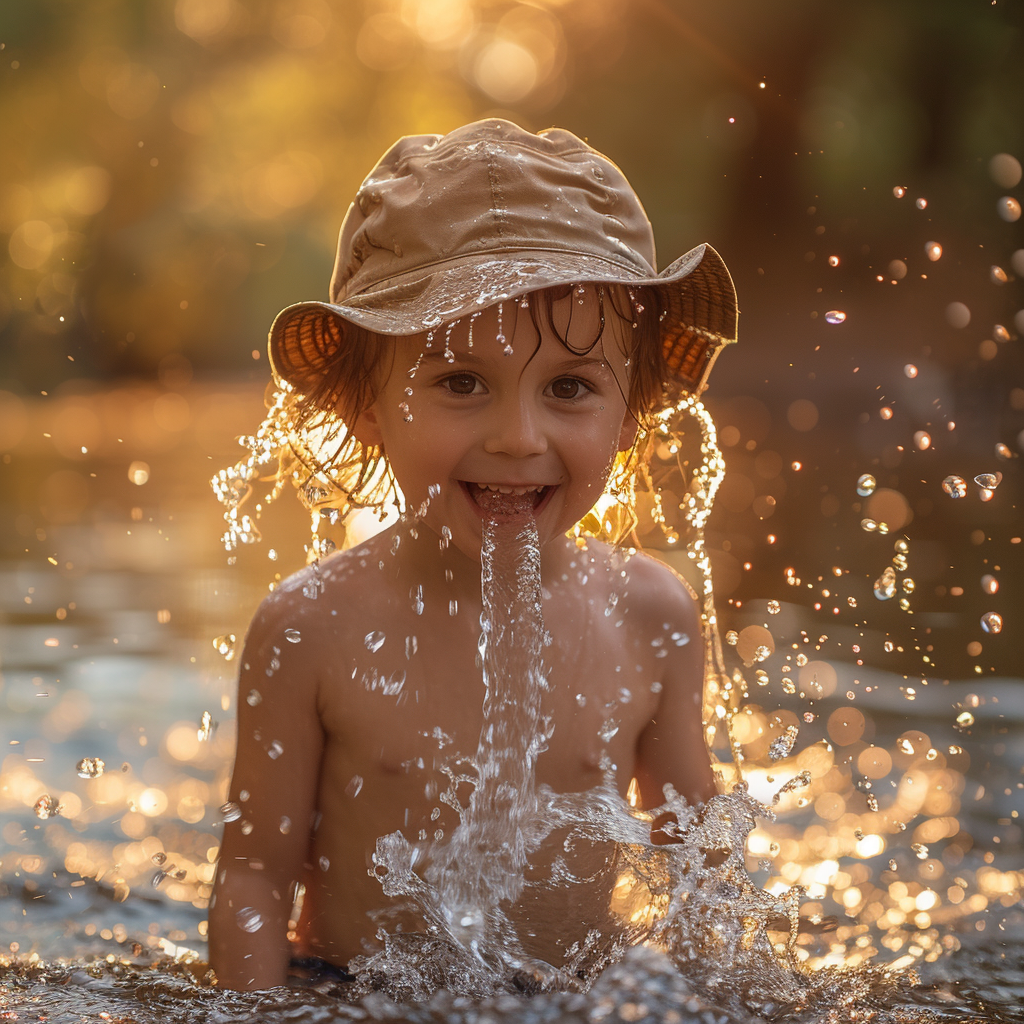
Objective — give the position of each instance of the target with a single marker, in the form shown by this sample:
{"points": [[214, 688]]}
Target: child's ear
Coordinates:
{"points": [[628, 432], [367, 428]]}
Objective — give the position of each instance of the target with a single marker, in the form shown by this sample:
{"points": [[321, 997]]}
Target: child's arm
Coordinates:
{"points": [[671, 748], [274, 785]]}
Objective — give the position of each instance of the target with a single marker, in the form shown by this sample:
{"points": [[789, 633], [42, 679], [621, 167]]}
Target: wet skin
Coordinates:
{"points": [[363, 734]]}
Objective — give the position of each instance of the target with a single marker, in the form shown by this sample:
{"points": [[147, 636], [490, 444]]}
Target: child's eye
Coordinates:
{"points": [[568, 388], [461, 383]]}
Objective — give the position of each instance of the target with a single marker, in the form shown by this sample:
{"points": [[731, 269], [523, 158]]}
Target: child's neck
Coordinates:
{"points": [[423, 558]]}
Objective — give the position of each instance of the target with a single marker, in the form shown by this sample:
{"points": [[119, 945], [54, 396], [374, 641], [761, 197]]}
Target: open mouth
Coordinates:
{"points": [[507, 499]]}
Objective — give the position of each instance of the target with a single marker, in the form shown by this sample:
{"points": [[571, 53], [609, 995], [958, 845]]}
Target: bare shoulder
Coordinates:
{"points": [[657, 598], [314, 602]]}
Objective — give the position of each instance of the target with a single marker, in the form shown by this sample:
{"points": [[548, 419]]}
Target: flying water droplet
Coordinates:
{"points": [[955, 486], [249, 919], [275, 750], [1008, 209], [205, 727], [254, 697], [933, 250], [885, 585], [46, 807], [608, 730], [835, 316], [374, 641], [732, 637], [872, 801], [921, 204], [922, 440], [355, 786], [782, 746], [225, 646], [920, 850], [90, 768], [990, 481], [964, 720], [866, 484], [230, 812], [1003, 451], [992, 622], [899, 191], [416, 599], [910, 371], [774, 607], [989, 584], [293, 636]]}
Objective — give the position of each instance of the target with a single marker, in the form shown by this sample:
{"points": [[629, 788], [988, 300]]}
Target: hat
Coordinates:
{"points": [[446, 225]]}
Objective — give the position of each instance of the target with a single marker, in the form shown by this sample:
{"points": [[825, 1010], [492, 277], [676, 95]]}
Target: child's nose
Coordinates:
{"points": [[515, 429]]}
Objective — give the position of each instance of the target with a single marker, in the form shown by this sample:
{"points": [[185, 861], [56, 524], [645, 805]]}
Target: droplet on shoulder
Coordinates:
{"points": [[293, 636], [249, 919]]}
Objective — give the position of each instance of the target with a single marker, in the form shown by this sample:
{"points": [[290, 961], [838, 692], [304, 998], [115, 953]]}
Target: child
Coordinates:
{"points": [[497, 335]]}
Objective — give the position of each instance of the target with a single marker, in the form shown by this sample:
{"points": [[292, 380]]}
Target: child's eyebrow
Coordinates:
{"points": [[563, 366]]}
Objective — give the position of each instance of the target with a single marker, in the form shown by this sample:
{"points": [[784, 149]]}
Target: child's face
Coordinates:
{"points": [[540, 418]]}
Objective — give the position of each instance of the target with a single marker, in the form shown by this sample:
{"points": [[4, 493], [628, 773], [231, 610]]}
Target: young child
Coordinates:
{"points": [[496, 337]]}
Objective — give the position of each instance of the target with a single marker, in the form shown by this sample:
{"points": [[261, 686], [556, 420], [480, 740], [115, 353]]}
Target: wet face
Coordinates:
{"points": [[498, 424]]}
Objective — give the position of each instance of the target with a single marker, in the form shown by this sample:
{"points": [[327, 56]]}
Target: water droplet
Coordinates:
{"points": [[833, 261], [293, 636], [922, 440], [955, 486], [899, 562], [885, 412], [761, 652], [774, 607], [411, 646], [90, 768], [989, 584], [285, 825], [205, 727], [992, 622], [801, 659], [272, 555], [899, 191], [374, 641], [835, 316], [872, 802], [225, 645], [868, 525], [230, 812], [608, 730], [866, 484], [910, 370], [964, 720], [416, 599], [908, 585], [808, 717], [1002, 451], [680, 639], [355, 785], [46, 807], [920, 850], [732, 637], [782, 746], [885, 585], [921, 204], [933, 251], [453, 607], [254, 697], [275, 750], [581, 699], [249, 919], [990, 481], [1009, 209]]}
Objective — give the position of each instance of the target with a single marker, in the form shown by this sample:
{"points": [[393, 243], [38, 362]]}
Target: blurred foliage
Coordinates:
{"points": [[175, 171]]}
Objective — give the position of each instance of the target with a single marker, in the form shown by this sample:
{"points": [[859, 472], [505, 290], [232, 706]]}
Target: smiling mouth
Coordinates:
{"points": [[506, 499]]}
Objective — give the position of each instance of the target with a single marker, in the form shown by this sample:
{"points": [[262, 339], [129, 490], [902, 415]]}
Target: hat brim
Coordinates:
{"points": [[698, 297]]}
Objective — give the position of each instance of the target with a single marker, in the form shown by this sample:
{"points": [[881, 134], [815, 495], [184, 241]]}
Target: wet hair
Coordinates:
{"points": [[356, 372]]}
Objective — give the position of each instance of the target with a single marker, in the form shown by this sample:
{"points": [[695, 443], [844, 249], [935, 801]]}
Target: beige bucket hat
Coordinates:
{"points": [[446, 225]]}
